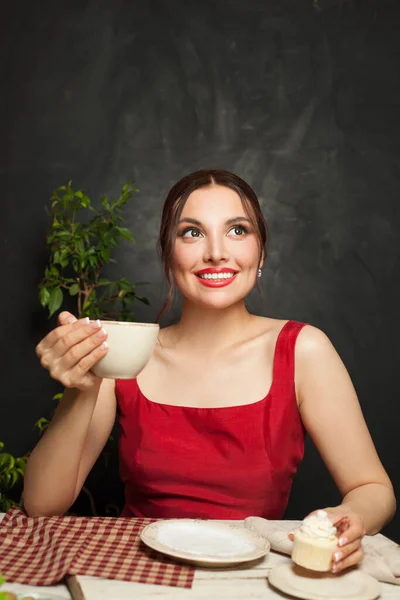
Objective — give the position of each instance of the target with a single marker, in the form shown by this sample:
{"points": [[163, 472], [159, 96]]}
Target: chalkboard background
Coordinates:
{"points": [[300, 98]]}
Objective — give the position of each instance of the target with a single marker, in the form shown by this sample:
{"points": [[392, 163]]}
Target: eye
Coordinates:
{"points": [[191, 232], [238, 230]]}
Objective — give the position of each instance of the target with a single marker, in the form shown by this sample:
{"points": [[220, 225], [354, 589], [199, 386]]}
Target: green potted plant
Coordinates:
{"points": [[81, 240], [12, 471]]}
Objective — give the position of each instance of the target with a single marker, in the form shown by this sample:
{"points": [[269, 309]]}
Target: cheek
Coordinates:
{"points": [[184, 256], [247, 253]]}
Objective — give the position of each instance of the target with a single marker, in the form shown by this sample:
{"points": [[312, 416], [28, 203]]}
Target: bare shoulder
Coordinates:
{"points": [[312, 342], [268, 326], [316, 358]]}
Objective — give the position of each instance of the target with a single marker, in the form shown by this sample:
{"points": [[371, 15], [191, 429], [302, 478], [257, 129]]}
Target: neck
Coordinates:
{"points": [[212, 330]]}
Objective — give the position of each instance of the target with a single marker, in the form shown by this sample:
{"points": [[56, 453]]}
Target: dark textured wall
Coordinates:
{"points": [[302, 100]]}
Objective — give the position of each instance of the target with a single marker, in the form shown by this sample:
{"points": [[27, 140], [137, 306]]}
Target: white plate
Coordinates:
{"points": [[311, 585], [205, 543]]}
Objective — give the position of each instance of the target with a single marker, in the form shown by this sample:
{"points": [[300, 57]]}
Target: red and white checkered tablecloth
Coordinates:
{"points": [[43, 550]]}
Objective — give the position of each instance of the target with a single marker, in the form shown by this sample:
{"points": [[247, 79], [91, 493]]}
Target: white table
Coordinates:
{"points": [[233, 584]]}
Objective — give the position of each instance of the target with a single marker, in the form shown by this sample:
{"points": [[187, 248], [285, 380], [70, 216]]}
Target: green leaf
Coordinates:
{"points": [[42, 424], [105, 255], [126, 285], [54, 271], [93, 262], [55, 300], [58, 396], [104, 203], [44, 296], [85, 202], [7, 462], [63, 234], [74, 289], [125, 234]]}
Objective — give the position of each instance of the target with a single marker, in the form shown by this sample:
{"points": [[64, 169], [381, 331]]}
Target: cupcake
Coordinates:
{"points": [[314, 542]]}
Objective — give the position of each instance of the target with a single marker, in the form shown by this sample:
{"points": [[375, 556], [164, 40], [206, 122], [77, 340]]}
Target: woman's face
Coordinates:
{"points": [[216, 254]]}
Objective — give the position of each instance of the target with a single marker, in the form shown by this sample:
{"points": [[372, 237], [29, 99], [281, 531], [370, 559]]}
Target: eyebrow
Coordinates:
{"points": [[228, 222]]}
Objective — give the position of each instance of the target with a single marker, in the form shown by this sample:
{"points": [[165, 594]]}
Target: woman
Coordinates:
{"points": [[213, 427]]}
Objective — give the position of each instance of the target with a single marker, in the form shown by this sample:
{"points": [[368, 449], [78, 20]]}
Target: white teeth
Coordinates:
{"points": [[217, 276]]}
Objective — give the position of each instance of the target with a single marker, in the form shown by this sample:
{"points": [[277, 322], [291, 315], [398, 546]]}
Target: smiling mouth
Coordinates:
{"points": [[215, 279], [216, 276]]}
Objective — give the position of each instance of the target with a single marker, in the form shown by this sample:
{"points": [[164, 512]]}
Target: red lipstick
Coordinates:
{"points": [[214, 282]]}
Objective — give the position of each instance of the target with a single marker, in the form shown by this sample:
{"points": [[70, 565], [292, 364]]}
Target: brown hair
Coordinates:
{"points": [[175, 203]]}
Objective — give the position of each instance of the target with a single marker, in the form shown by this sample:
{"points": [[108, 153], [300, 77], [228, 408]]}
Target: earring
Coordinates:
{"points": [[259, 272]]}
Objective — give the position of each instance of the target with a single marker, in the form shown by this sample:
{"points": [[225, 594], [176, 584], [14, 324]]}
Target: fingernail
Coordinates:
{"points": [[337, 556], [101, 333], [104, 346], [71, 320], [343, 541], [334, 568], [95, 324], [86, 321]]}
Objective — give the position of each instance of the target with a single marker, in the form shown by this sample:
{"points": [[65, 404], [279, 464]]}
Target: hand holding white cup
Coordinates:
{"points": [[79, 353], [71, 349]]}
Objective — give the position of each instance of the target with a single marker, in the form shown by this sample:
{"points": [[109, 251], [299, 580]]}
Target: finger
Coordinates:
{"points": [[75, 376], [66, 318], [56, 334], [77, 352], [342, 524], [351, 560], [354, 531], [75, 336], [342, 553], [81, 371]]}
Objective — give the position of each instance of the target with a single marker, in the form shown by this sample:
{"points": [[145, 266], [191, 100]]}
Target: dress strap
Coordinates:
{"points": [[284, 350]]}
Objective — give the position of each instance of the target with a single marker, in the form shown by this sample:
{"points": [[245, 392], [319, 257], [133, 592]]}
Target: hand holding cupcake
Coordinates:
{"points": [[350, 530], [314, 542]]}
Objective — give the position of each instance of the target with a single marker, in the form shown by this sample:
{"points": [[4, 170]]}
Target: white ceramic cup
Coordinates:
{"points": [[130, 346]]}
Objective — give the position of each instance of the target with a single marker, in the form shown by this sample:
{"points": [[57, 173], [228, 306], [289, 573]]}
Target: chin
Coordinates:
{"points": [[218, 305], [216, 300]]}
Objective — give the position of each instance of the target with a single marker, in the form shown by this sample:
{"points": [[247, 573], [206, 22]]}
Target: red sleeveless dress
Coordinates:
{"points": [[212, 463]]}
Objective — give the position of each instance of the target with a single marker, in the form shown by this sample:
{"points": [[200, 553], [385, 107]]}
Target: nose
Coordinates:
{"points": [[216, 249]]}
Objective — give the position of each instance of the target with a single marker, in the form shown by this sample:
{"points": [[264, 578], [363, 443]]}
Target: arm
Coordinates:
{"points": [[332, 416], [61, 461]]}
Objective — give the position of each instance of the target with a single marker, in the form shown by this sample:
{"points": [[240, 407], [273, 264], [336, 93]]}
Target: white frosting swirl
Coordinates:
{"points": [[318, 526]]}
